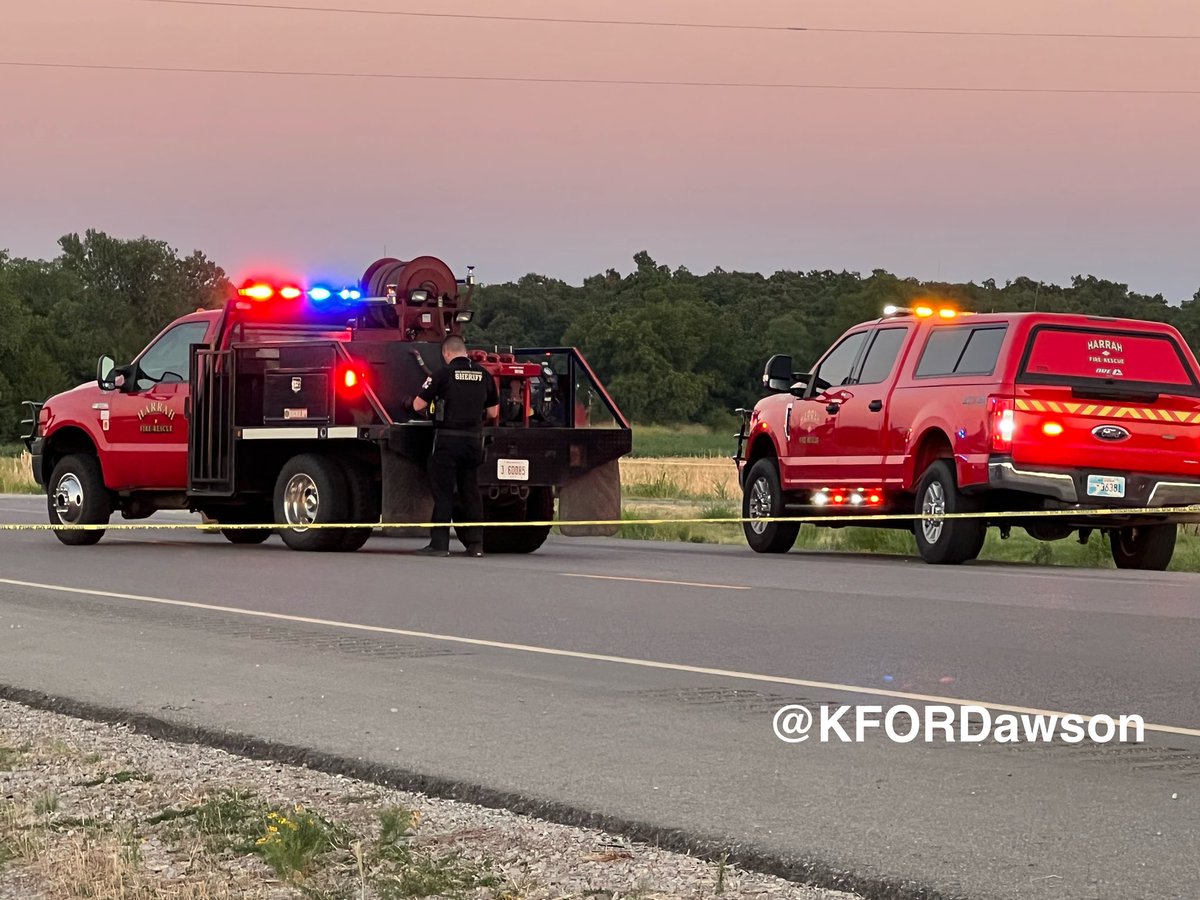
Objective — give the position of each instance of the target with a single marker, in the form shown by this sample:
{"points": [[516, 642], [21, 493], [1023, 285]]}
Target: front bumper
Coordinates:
{"points": [[37, 450], [1142, 490]]}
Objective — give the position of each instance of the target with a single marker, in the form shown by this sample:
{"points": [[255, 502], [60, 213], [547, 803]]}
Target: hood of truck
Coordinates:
{"points": [[74, 404]]}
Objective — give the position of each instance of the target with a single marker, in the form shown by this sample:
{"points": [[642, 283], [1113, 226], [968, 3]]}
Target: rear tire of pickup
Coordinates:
{"points": [[311, 490], [762, 498], [76, 495], [1143, 546], [946, 541]]}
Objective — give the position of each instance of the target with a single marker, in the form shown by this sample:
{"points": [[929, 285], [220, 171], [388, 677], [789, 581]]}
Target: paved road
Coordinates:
{"points": [[640, 679]]}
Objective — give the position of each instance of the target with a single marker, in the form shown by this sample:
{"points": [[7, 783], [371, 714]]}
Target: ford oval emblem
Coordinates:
{"points": [[1110, 432]]}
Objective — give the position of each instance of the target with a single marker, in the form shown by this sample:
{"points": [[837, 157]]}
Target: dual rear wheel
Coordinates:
{"points": [[314, 490]]}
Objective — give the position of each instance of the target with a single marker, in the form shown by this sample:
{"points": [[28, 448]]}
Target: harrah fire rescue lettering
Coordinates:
{"points": [[156, 408]]}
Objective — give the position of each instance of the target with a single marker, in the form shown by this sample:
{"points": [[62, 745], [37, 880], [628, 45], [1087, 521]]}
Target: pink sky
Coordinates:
{"points": [[319, 174]]}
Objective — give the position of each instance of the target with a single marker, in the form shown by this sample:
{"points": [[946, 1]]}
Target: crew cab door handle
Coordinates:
{"points": [[875, 405]]}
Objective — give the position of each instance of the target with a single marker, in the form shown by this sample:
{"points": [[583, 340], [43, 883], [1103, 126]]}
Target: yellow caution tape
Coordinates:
{"points": [[716, 520]]}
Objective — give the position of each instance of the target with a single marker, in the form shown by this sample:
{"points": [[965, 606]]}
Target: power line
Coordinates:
{"points": [[638, 82], [290, 7]]}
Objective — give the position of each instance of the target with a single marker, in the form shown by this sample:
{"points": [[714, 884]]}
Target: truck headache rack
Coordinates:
{"points": [[210, 437]]}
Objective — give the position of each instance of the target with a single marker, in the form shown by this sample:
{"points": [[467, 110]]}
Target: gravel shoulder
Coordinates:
{"points": [[97, 810]]}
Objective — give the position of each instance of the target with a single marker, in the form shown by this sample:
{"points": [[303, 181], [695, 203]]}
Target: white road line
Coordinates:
{"points": [[699, 584], [579, 654]]}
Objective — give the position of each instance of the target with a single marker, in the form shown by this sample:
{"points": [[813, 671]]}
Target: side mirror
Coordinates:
{"points": [[777, 375], [104, 373], [800, 387]]}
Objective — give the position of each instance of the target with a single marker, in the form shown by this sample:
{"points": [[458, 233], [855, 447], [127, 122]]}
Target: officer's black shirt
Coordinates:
{"points": [[464, 391]]}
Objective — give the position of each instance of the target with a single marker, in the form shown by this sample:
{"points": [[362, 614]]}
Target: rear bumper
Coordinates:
{"points": [[1142, 490], [555, 456]]}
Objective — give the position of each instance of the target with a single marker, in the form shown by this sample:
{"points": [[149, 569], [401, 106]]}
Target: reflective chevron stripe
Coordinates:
{"points": [[1143, 413]]}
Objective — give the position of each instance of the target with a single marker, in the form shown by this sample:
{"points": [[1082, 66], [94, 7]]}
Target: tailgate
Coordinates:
{"points": [[1107, 399]]}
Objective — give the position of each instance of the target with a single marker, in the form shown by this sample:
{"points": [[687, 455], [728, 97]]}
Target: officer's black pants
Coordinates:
{"points": [[455, 463]]}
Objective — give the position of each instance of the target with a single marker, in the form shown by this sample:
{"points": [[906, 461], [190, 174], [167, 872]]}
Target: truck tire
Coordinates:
{"points": [[246, 535], [364, 505], [311, 490], [76, 495], [1143, 546], [519, 538], [763, 498], [254, 514], [942, 541]]}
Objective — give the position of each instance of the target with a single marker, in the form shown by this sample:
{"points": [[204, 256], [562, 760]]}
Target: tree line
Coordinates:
{"points": [[671, 346]]}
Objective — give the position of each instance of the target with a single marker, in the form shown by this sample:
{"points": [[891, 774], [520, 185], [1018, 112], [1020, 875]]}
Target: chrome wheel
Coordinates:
{"points": [[933, 504], [760, 504], [301, 501], [68, 499]]}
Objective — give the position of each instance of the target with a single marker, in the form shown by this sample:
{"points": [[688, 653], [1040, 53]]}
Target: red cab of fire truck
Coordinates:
{"points": [[291, 405], [931, 411]]}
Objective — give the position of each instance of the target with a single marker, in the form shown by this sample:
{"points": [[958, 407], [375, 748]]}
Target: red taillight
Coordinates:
{"points": [[350, 378], [1002, 423]]}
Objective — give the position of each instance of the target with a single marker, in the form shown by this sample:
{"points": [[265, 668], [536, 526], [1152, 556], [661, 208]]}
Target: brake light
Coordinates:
{"points": [[1001, 416]]}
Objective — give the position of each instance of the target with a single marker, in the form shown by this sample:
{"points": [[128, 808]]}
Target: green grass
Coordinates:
{"points": [[683, 440]]}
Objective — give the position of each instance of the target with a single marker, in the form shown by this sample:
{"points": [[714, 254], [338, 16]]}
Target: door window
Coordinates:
{"points": [[166, 360], [835, 370], [885, 347]]}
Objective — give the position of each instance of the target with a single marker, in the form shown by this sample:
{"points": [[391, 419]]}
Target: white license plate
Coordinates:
{"points": [[512, 469], [1106, 486]]}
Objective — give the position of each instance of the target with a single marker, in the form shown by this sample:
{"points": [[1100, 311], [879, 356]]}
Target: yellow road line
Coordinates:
{"points": [[591, 657]]}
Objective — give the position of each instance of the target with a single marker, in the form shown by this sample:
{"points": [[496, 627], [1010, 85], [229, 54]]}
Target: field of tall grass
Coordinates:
{"points": [[16, 476]]}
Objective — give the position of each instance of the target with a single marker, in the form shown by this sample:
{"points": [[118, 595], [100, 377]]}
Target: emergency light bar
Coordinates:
{"points": [[921, 312]]}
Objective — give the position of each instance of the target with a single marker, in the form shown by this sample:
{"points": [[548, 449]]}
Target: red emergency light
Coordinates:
{"points": [[847, 497]]}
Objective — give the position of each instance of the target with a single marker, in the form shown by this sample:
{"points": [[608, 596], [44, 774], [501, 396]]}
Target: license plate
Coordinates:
{"points": [[1106, 486], [512, 469]]}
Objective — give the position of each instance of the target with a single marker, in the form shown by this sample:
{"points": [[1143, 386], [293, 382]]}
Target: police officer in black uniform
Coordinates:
{"points": [[463, 394]]}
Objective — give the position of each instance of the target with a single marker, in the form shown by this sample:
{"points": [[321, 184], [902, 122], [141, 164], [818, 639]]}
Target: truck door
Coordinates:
{"points": [[148, 429], [810, 426], [860, 423]]}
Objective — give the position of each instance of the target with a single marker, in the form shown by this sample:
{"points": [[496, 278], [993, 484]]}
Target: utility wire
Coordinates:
{"points": [[290, 7], [533, 79]]}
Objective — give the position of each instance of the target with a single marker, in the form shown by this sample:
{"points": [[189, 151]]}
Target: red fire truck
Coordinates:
{"points": [[933, 411], [292, 406]]}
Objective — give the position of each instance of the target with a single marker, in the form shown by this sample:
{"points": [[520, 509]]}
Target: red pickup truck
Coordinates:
{"points": [[933, 411]]}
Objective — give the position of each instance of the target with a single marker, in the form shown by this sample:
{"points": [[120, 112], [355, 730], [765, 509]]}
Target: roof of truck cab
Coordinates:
{"points": [[1075, 320]]}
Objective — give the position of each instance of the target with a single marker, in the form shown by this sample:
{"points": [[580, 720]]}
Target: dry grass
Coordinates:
{"points": [[16, 475], [679, 478]]}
